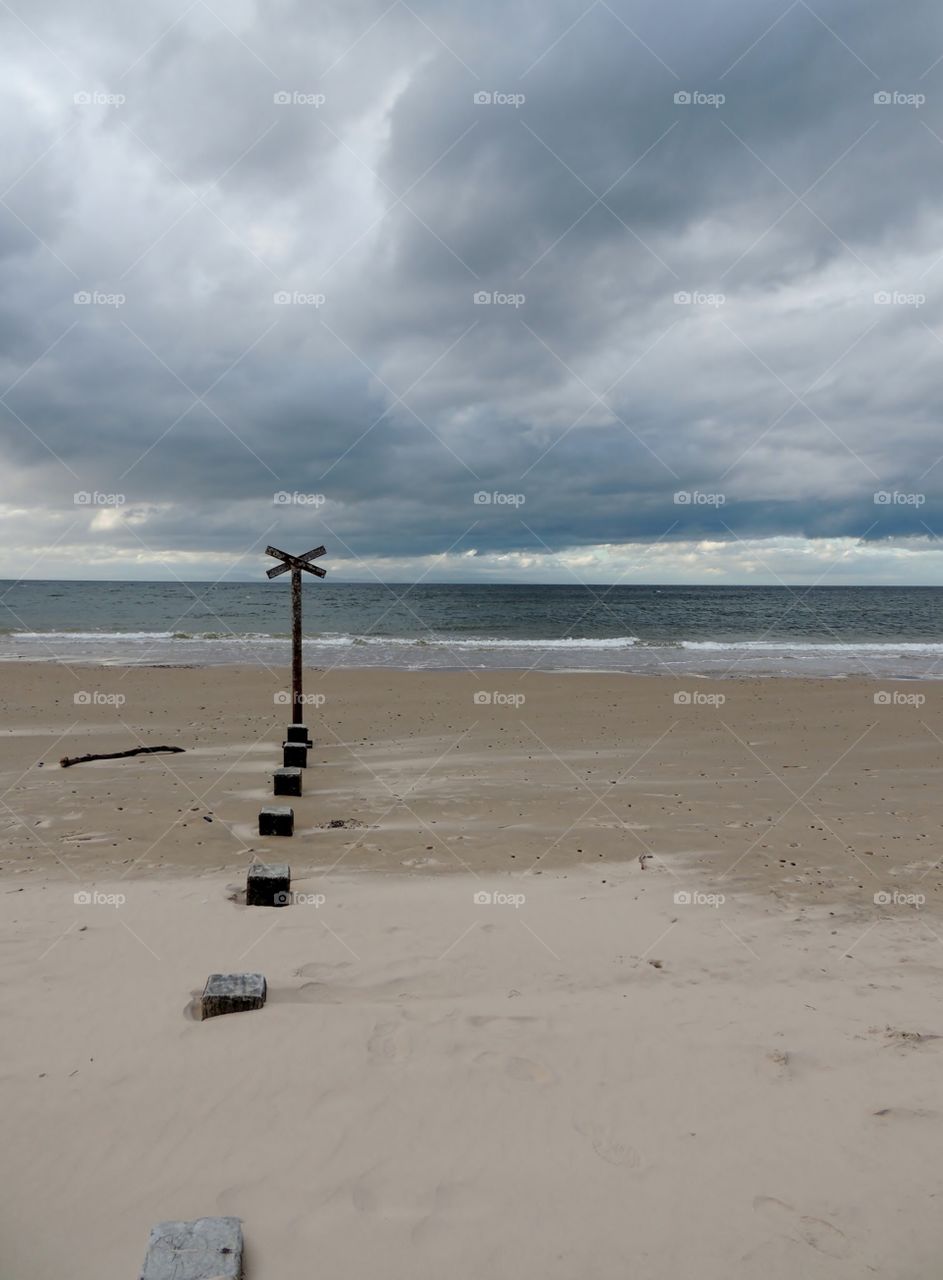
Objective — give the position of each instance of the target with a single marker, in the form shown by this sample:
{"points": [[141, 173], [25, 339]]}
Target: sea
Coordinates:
{"points": [[720, 631]]}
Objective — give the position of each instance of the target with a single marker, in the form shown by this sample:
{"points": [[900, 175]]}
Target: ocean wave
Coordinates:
{"points": [[816, 646], [343, 640], [93, 635], [109, 637], [480, 642]]}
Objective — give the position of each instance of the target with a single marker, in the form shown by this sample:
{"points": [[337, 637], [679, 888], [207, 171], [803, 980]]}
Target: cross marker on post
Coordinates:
{"points": [[295, 565]]}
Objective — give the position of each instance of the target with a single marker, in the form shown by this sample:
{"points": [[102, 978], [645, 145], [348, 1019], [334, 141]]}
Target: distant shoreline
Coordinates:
{"points": [[885, 660]]}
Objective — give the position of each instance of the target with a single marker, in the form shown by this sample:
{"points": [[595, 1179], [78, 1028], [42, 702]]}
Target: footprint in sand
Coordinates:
{"points": [[905, 1113], [485, 1019], [364, 1198], [909, 1039], [430, 1210], [312, 993], [607, 1144], [517, 1068], [779, 1063], [452, 1202], [815, 1232], [387, 1043], [317, 968]]}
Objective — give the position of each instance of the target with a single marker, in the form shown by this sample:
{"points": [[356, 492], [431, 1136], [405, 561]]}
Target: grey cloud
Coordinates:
{"points": [[305, 200]]}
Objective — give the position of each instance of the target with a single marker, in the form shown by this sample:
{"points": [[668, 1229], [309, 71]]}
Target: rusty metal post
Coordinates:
{"points": [[295, 565], [297, 697]]}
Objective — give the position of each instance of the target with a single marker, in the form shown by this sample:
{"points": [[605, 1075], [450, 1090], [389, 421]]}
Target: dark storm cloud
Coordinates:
{"points": [[148, 165]]}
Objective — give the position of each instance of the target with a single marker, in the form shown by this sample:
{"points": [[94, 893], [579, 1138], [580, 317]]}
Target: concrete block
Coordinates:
{"points": [[298, 733], [232, 993], [268, 884], [206, 1249], [276, 820], [294, 755], [287, 782]]}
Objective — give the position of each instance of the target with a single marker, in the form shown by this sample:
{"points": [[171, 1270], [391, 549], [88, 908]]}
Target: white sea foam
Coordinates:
{"points": [[110, 637], [814, 646], [826, 658], [484, 642], [343, 640], [465, 642]]}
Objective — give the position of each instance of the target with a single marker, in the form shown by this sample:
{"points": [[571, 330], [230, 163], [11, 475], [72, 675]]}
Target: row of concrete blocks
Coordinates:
{"points": [[268, 884], [295, 747], [279, 820], [212, 1248], [294, 759]]}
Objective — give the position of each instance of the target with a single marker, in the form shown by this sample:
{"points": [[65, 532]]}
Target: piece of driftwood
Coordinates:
{"points": [[115, 755]]}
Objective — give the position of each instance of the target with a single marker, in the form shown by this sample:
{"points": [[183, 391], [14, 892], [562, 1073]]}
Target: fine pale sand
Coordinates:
{"points": [[694, 1030]]}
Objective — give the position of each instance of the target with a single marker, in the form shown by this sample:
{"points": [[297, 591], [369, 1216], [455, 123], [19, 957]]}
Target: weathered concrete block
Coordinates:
{"points": [[294, 755], [268, 884], [232, 993], [298, 733], [287, 782], [207, 1249], [276, 820]]}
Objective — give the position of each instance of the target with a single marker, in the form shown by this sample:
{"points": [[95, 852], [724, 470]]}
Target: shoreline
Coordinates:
{"points": [[653, 664], [450, 770], [313, 673]]}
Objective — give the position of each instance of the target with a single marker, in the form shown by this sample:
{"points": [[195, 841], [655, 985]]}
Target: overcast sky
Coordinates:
{"points": [[241, 246]]}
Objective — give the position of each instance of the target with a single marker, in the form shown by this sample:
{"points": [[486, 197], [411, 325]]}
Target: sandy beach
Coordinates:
{"points": [[634, 976], [553, 391]]}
